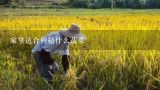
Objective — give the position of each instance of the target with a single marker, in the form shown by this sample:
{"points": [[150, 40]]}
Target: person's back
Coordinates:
{"points": [[52, 43]]}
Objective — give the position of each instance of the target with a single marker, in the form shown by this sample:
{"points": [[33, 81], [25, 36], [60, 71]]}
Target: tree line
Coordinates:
{"points": [[115, 3], [135, 4]]}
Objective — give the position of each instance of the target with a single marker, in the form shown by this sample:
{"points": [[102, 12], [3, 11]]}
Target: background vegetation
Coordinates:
{"points": [[92, 67], [134, 4]]}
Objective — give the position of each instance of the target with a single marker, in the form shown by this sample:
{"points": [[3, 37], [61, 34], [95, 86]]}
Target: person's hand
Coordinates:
{"points": [[54, 67]]}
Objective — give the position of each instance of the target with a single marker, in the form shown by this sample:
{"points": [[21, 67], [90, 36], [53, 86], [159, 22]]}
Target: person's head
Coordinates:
{"points": [[72, 33], [75, 28]]}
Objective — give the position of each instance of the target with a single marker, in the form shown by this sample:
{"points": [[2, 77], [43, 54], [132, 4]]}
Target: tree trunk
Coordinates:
{"points": [[112, 4]]}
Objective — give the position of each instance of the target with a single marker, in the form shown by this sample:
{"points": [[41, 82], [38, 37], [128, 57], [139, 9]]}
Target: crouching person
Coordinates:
{"points": [[54, 42]]}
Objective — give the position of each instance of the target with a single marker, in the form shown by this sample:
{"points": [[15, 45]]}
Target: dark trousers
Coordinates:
{"points": [[44, 61]]}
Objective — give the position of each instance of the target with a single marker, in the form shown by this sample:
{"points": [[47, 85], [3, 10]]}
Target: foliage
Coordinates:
{"points": [[90, 69], [80, 4], [119, 3], [135, 4]]}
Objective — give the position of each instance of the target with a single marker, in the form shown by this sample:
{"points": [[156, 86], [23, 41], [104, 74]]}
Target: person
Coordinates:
{"points": [[55, 42]]}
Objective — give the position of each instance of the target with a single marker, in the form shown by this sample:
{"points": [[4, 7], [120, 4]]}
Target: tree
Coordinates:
{"points": [[80, 3], [71, 1], [153, 3], [120, 3], [112, 4], [6, 2]]}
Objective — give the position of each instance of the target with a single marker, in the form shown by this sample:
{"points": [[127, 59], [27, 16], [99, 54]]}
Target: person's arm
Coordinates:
{"points": [[65, 57], [65, 62]]}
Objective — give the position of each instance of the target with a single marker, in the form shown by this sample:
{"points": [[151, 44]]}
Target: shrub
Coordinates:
{"points": [[80, 4]]}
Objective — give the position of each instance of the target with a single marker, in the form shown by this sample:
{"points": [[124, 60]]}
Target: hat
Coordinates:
{"points": [[73, 32]]}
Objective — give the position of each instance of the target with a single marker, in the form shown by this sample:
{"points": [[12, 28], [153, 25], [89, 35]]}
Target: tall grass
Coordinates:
{"points": [[96, 64]]}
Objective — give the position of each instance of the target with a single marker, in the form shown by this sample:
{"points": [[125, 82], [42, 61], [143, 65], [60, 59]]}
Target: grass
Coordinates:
{"points": [[33, 12], [127, 60]]}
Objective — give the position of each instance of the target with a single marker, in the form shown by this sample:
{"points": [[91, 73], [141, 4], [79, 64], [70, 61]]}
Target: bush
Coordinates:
{"points": [[101, 4], [81, 4], [120, 4], [97, 4]]}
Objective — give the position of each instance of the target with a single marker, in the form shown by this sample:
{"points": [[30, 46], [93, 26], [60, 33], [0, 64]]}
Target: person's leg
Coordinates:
{"points": [[48, 60], [43, 68]]}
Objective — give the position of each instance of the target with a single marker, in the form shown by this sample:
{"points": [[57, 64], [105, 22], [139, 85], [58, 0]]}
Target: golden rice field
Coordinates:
{"points": [[98, 22], [96, 64]]}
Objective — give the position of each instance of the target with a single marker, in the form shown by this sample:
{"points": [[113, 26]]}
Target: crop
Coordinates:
{"points": [[113, 64]]}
